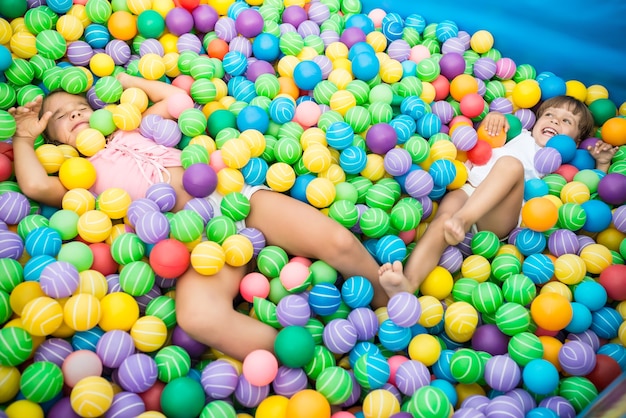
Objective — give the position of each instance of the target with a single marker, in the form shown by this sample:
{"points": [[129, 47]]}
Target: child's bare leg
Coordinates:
{"points": [[204, 309], [495, 204], [426, 254], [303, 230]]}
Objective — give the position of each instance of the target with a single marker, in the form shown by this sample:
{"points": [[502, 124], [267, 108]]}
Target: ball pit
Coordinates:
{"points": [[303, 97]]}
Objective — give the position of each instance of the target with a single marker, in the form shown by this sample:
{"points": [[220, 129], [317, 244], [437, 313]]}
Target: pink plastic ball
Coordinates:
{"points": [[260, 367], [307, 113], [177, 103], [217, 163], [80, 364], [184, 82], [293, 275], [254, 285], [472, 105]]}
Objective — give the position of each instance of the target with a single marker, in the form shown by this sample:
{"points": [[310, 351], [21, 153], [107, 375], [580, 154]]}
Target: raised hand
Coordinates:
{"points": [[29, 124], [495, 122]]}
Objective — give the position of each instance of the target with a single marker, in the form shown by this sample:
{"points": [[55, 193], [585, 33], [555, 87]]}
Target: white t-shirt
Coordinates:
{"points": [[523, 147]]}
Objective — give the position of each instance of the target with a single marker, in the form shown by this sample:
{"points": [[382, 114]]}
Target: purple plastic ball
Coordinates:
{"points": [[381, 137], [563, 241], [256, 237], [205, 17], [219, 379], [148, 124], [399, 50], [258, 68], [59, 279], [79, 53], [504, 406], [451, 259], [163, 194], [54, 350], [453, 45], [411, 375], [524, 397], [167, 133], [114, 347], [419, 183], [527, 117], [293, 310], [249, 23], [152, 227], [502, 105], [547, 160], [612, 188], [464, 137], [352, 35], [118, 50], [199, 180], [289, 381], [577, 358], [202, 207], [478, 402], [484, 68], [225, 29], [151, 46], [560, 405], [137, 373], [62, 409], [619, 218], [189, 42], [94, 101], [249, 395], [490, 339], [325, 65], [125, 405], [318, 12], [294, 15], [329, 36], [397, 161], [444, 110], [452, 64], [308, 28], [179, 21], [404, 309], [339, 336], [466, 413], [139, 207], [192, 346], [365, 322], [14, 207], [502, 373]]}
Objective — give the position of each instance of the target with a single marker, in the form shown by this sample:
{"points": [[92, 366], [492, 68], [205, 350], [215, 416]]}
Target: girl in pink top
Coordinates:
{"points": [[204, 305]]}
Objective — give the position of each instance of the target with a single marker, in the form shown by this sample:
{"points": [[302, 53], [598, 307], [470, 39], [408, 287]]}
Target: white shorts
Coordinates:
{"points": [[215, 199]]}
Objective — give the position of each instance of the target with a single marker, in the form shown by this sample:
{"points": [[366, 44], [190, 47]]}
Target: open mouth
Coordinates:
{"points": [[549, 132]]}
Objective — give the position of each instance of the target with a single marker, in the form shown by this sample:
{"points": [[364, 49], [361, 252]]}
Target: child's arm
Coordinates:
{"points": [[32, 178], [495, 122], [603, 154], [157, 92]]}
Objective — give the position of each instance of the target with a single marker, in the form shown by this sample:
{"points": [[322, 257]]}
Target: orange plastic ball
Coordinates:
{"points": [[495, 141], [613, 131], [288, 86], [217, 48], [122, 25], [539, 214], [308, 403], [461, 85], [551, 311]]}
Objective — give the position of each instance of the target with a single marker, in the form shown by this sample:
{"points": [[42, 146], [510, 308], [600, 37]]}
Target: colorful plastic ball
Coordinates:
{"points": [[577, 358], [17, 345], [119, 311], [92, 396], [41, 381], [294, 346], [42, 316], [163, 194], [613, 131], [540, 376], [200, 180], [611, 188], [381, 137], [182, 397], [551, 311], [308, 403], [219, 379], [539, 214], [169, 258], [150, 24], [249, 23]]}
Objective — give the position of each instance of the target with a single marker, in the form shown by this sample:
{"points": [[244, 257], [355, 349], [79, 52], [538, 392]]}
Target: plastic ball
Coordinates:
{"points": [[612, 279], [169, 258], [613, 131], [119, 311], [308, 403], [540, 376], [182, 394], [92, 396], [122, 25], [551, 311]]}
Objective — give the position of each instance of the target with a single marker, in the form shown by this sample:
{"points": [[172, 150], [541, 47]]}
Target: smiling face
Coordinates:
{"points": [[70, 116], [556, 121]]}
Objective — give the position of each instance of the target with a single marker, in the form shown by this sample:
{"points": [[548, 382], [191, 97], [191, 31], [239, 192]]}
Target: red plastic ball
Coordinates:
{"points": [[472, 105], [188, 4], [613, 279], [6, 168], [102, 259], [169, 258], [442, 87], [152, 397], [481, 153], [568, 171], [606, 371]]}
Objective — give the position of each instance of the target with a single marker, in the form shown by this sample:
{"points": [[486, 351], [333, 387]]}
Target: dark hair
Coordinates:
{"points": [[586, 124]]}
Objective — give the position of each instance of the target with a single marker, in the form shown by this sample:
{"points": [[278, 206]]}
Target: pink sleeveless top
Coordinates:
{"points": [[132, 162]]}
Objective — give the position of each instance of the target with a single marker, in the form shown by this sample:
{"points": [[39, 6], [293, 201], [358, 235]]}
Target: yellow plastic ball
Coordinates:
{"points": [[229, 180], [526, 93], [22, 44], [10, 378], [149, 333], [114, 202], [376, 40], [461, 175], [79, 11], [476, 267], [101, 64], [460, 321], [169, 42], [428, 92], [425, 348], [170, 59], [432, 311], [236, 153], [341, 77], [316, 158], [313, 136], [336, 50], [78, 200], [136, 97], [119, 311], [575, 192], [255, 141], [438, 283], [94, 226], [307, 54], [92, 282], [481, 41], [320, 192], [24, 408], [5, 32], [208, 258], [610, 238], [576, 89], [68, 151], [89, 141], [126, 116], [138, 6], [92, 396], [70, 27], [151, 66], [596, 257], [391, 71], [77, 172], [595, 92], [82, 312], [569, 269], [220, 6], [50, 157], [286, 65], [238, 250], [443, 150], [42, 316], [280, 177], [374, 168]]}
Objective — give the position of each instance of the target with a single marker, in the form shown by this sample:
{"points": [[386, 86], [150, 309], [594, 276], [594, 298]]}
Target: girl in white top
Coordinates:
{"points": [[494, 198]]}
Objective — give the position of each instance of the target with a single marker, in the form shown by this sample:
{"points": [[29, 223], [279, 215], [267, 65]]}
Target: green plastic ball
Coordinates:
{"points": [[41, 381], [77, 253], [10, 9], [335, 383], [519, 288], [108, 89], [524, 347], [512, 318], [429, 402], [11, 274], [236, 206], [8, 96], [186, 225], [7, 125], [172, 362], [183, 397], [219, 228], [271, 260], [192, 122], [127, 248], [487, 297], [65, 223], [466, 366], [221, 119], [16, 345], [194, 154], [150, 24], [137, 278], [164, 308], [294, 346]]}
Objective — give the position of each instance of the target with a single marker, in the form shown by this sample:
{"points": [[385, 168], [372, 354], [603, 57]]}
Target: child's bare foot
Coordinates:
{"points": [[454, 230], [393, 280]]}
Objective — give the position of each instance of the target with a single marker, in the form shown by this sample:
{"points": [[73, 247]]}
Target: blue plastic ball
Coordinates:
{"points": [[535, 188], [591, 294], [235, 63], [404, 125], [443, 172], [339, 135], [365, 66], [60, 6], [35, 265], [390, 248], [255, 171], [298, 190], [253, 117], [616, 351], [599, 215], [447, 388], [282, 110], [551, 86], [428, 125], [43, 241], [87, 340], [538, 267], [5, 58], [394, 337], [583, 160], [606, 322], [565, 145], [353, 160], [307, 74], [541, 412], [540, 376], [324, 299], [266, 47], [581, 318], [361, 21], [357, 292], [97, 35]]}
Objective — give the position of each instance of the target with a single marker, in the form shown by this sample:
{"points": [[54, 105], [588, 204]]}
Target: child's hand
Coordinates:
{"points": [[495, 122], [29, 125], [602, 152]]}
